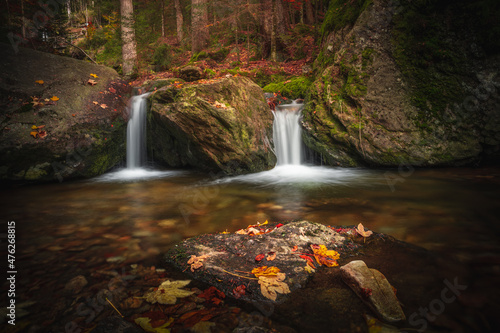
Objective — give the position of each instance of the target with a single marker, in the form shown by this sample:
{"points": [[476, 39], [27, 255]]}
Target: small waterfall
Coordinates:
{"points": [[287, 134], [136, 132]]}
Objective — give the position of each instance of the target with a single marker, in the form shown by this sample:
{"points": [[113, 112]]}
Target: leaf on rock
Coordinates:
{"points": [[112, 90], [259, 257], [94, 76], [361, 230], [202, 327], [36, 102], [34, 127], [96, 103], [144, 322], [324, 256], [168, 292], [34, 134], [103, 106], [92, 82], [212, 295], [239, 291], [39, 82], [196, 262], [270, 286], [54, 98], [309, 269], [295, 248], [271, 256], [42, 134], [266, 271]]}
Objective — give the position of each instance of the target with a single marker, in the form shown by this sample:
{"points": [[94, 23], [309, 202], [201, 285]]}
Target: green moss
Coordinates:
{"points": [[342, 13], [219, 55], [297, 87]]}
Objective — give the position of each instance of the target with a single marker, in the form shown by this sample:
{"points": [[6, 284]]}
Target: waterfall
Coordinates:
{"points": [[136, 132], [287, 134]]}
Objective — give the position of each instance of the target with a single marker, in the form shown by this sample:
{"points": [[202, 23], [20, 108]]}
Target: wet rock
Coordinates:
{"points": [[253, 329], [76, 284], [374, 289], [226, 257], [116, 324], [190, 73]]}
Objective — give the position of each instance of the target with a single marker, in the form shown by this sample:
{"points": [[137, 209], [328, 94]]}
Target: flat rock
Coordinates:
{"points": [[230, 258], [374, 289]]}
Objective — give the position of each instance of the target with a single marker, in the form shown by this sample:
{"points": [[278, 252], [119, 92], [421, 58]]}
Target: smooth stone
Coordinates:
{"points": [[76, 284], [373, 289]]}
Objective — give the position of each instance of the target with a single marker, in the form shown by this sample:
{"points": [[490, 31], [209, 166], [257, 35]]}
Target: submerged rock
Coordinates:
{"points": [[54, 124], [373, 289], [220, 125]]}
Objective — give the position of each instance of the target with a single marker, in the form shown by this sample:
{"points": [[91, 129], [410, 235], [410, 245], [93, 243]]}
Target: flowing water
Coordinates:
{"points": [[70, 228]]}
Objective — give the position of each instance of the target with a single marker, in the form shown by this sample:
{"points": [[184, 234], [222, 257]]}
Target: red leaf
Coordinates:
{"points": [[279, 225], [260, 257], [113, 90]]}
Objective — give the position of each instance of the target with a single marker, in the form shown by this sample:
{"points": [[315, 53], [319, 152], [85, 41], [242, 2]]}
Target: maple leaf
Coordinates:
{"points": [[212, 295], [168, 292], [324, 256], [94, 76], [36, 102], [361, 230], [271, 256], [92, 82], [39, 82], [42, 134], [54, 98], [270, 286], [196, 262], [265, 271]]}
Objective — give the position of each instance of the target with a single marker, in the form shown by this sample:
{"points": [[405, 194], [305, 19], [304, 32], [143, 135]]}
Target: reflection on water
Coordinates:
{"points": [[136, 174]]}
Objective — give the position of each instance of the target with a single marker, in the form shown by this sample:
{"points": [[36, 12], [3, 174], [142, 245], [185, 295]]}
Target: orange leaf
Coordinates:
{"points": [[271, 256], [95, 102], [42, 134], [295, 248], [39, 81], [259, 257], [324, 256], [361, 230], [266, 271], [112, 90], [34, 134], [103, 106], [92, 82], [54, 98]]}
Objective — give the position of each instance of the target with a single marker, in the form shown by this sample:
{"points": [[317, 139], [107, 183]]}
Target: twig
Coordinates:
{"points": [[80, 50], [114, 307], [240, 276]]}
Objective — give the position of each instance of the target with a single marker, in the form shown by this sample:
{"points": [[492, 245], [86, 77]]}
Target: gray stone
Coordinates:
{"points": [[76, 284], [374, 289]]}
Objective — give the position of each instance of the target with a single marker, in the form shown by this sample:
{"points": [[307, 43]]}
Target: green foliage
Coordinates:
{"points": [[342, 13], [297, 87], [210, 73], [199, 56], [162, 57]]}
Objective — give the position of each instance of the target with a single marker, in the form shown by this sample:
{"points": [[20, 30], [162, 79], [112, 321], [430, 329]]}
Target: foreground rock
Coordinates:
{"points": [[218, 125], [374, 289], [54, 124], [388, 96]]}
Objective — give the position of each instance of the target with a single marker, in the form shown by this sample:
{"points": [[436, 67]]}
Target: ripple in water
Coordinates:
{"points": [[136, 174]]}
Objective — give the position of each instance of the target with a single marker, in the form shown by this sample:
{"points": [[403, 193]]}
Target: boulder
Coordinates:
{"points": [[373, 289], [190, 73], [56, 125], [218, 125]]}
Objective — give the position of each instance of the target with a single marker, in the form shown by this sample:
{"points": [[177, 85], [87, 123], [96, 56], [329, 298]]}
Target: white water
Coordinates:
{"points": [[136, 132], [287, 134]]}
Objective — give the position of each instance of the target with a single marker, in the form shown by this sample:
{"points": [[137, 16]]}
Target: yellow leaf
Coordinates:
{"points": [[168, 292], [324, 256], [271, 285], [361, 230], [34, 134], [34, 127], [39, 81], [94, 76], [265, 271], [144, 323], [54, 98], [309, 269]]}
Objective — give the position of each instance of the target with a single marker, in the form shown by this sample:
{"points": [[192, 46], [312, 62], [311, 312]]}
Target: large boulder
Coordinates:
{"points": [[56, 125], [218, 125], [397, 87]]}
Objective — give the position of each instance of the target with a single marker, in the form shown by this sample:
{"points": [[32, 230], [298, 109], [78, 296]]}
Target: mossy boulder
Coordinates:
{"points": [[62, 127], [190, 73], [396, 87], [222, 125]]}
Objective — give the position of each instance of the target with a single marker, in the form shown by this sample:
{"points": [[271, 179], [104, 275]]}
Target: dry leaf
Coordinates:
{"points": [[265, 271], [95, 102], [54, 98], [271, 256], [309, 269], [112, 90], [168, 292], [42, 134], [92, 82], [144, 322], [324, 256], [39, 81], [202, 327], [46, 100], [295, 248], [103, 106], [270, 286], [34, 134], [196, 262], [361, 230]]}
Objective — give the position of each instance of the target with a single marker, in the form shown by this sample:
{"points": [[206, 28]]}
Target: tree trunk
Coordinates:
{"points": [[180, 20], [281, 18], [23, 20], [163, 18], [199, 25], [129, 52], [265, 27], [309, 12], [274, 56]]}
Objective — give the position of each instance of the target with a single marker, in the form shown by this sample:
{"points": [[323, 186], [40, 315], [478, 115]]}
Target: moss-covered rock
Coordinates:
{"points": [[224, 125], [82, 131], [403, 83]]}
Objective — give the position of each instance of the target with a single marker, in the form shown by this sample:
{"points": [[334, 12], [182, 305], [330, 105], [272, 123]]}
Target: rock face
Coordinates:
{"points": [[223, 125], [373, 289], [80, 127], [394, 91]]}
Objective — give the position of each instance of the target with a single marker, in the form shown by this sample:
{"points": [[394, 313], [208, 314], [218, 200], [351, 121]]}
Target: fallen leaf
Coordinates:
{"points": [[41, 126], [144, 322], [212, 295], [94, 76], [265, 271], [103, 106], [202, 327], [239, 291], [92, 82], [196, 262], [46, 100], [324, 256], [295, 248], [34, 134], [74, 115], [39, 81], [168, 292], [42, 134], [95, 102], [54, 98], [112, 90], [271, 256], [270, 286], [259, 257], [309, 269], [34, 127], [361, 230]]}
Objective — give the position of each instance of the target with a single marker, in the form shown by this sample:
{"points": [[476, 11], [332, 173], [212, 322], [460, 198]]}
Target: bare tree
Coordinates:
{"points": [[179, 19], [129, 51], [199, 25]]}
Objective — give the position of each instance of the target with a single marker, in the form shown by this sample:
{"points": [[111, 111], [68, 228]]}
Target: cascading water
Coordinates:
{"points": [[136, 132], [287, 134]]}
